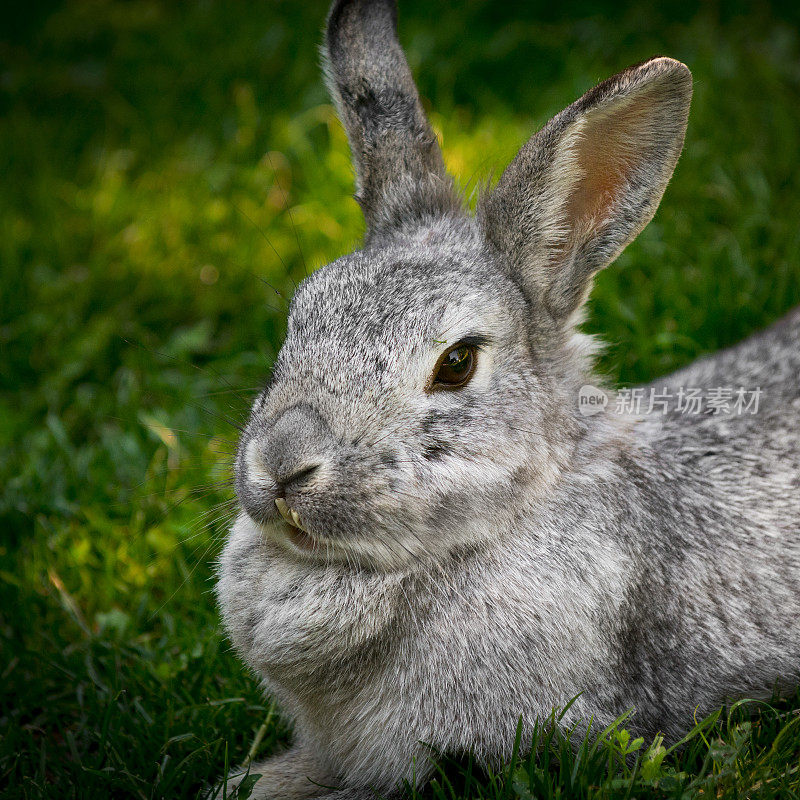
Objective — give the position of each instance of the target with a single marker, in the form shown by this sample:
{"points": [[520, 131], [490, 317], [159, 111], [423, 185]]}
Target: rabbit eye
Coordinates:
{"points": [[455, 367]]}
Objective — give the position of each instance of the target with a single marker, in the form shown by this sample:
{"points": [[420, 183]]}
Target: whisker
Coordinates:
{"points": [[229, 391], [267, 240], [212, 437], [191, 493], [174, 359], [289, 212], [198, 529], [182, 584]]}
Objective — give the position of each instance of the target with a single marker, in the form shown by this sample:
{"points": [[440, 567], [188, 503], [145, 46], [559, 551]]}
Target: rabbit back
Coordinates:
{"points": [[713, 612]]}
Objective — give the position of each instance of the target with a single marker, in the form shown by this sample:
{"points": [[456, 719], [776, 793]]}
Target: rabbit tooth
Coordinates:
{"points": [[296, 521], [283, 509], [289, 514]]}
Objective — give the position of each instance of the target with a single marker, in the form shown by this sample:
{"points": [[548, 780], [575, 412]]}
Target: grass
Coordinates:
{"points": [[160, 163]]}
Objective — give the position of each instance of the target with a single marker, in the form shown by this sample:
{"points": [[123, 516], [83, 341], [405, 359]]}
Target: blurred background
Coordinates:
{"points": [[164, 166]]}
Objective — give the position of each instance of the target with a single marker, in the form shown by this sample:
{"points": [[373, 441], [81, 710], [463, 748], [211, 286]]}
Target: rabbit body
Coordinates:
{"points": [[448, 563], [663, 575]]}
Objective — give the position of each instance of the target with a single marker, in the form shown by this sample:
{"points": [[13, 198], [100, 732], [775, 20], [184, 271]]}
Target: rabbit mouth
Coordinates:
{"points": [[296, 532]]}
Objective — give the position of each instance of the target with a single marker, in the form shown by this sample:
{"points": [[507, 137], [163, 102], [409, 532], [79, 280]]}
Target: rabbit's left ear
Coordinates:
{"points": [[587, 183], [400, 176]]}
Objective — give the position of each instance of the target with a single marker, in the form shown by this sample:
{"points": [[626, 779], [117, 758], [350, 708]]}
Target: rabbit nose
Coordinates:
{"points": [[296, 478], [295, 447]]}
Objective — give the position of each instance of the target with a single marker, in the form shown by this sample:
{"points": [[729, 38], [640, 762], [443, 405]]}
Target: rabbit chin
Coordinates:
{"points": [[375, 550], [303, 545], [290, 538]]}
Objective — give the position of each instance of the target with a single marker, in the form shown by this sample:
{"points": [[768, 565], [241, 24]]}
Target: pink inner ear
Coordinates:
{"points": [[610, 149]]}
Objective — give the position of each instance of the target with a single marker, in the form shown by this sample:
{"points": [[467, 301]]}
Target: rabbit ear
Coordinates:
{"points": [[587, 183], [400, 175]]}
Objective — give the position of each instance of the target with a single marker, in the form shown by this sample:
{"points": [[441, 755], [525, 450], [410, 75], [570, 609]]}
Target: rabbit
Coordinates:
{"points": [[435, 544]]}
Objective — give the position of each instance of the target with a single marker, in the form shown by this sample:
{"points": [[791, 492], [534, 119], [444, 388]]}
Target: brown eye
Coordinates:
{"points": [[455, 367]]}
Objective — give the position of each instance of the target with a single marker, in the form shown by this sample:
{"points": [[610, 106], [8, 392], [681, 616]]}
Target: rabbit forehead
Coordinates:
{"points": [[378, 302]]}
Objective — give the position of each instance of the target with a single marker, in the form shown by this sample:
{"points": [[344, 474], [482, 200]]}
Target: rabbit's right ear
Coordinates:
{"points": [[584, 186], [400, 175]]}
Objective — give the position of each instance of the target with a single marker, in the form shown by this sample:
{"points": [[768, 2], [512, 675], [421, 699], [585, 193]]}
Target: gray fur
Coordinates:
{"points": [[528, 215], [400, 175], [486, 554]]}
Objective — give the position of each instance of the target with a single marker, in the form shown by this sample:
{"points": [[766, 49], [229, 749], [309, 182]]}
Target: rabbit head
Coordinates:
{"points": [[425, 396]]}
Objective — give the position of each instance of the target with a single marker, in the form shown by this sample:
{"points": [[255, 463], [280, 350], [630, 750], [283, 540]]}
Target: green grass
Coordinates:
{"points": [[157, 161]]}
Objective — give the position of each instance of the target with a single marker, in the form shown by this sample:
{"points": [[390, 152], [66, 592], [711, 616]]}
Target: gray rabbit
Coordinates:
{"points": [[435, 539]]}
